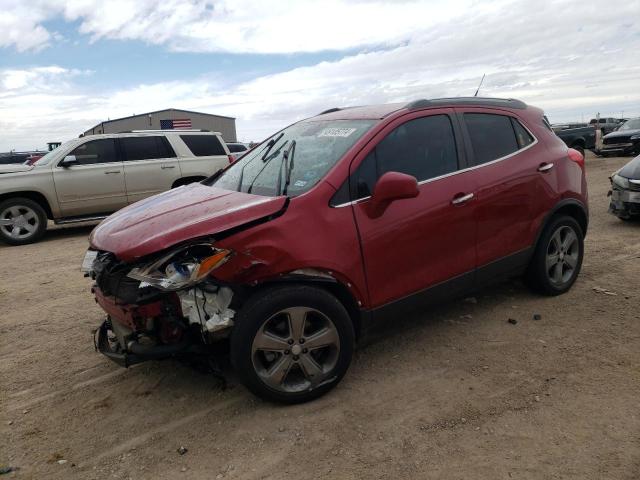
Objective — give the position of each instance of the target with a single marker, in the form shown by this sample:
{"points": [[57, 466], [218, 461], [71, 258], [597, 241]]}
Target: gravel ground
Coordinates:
{"points": [[459, 393]]}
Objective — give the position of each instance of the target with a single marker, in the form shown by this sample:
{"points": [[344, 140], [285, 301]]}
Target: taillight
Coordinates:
{"points": [[231, 159], [576, 156]]}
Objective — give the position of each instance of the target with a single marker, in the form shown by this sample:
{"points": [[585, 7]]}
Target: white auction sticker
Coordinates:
{"points": [[336, 132]]}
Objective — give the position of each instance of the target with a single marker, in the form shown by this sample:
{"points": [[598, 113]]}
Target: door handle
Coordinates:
{"points": [[109, 172], [545, 167], [459, 200], [164, 167]]}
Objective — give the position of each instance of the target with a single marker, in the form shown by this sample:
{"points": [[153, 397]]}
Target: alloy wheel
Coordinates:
{"points": [[19, 222], [296, 349], [563, 253]]}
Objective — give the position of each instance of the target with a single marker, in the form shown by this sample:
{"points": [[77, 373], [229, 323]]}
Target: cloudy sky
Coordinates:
{"points": [[67, 65]]}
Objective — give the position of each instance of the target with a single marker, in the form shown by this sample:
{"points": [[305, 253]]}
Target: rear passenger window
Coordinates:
{"points": [[235, 148], [146, 148], [523, 137], [203, 145], [424, 148], [96, 151], [492, 136]]}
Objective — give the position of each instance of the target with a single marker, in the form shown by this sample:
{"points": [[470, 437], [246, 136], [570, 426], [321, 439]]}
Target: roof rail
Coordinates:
{"points": [[331, 110], [479, 101]]}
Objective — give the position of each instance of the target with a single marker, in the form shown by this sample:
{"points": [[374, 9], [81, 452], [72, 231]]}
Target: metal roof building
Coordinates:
{"points": [[170, 118]]}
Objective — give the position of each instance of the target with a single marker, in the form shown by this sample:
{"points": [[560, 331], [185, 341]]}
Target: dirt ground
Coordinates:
{"points": [[459, 393]]}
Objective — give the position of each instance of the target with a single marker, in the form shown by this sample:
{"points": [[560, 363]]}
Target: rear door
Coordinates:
{"points": [[424, 241], [96, 184], [515, 186], [150, 166]]}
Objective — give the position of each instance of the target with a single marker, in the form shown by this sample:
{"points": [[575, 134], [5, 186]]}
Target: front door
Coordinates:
{"points": [[425, 241], [150, 166], [95, 185]]}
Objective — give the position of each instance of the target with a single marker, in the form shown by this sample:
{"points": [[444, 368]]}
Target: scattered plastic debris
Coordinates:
{"points": [[604, 291], [182, 450], [512, 321], [537, 316]]}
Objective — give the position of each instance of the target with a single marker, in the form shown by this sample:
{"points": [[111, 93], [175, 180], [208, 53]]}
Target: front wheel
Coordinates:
{"points": [[292, 344], [22, 221], [557, 260]]}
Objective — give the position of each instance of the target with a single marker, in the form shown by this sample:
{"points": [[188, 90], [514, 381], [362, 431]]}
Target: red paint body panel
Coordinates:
{"points": [[181, 214]]}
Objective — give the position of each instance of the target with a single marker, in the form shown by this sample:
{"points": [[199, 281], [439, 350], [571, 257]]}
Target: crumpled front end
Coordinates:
{"points": [[625, 197], [156, 318]]}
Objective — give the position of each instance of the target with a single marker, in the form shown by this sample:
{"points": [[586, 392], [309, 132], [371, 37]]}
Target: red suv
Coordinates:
{"points": [[355, 215]]}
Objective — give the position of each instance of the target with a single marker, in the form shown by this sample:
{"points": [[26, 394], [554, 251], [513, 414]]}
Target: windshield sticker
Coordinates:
{"points": [[337, 132], [300, 183]]}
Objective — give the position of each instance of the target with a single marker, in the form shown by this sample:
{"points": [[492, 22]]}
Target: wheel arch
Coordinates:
{"points": [[333, 286], [571, 207], [37, 197], [187, 180]]}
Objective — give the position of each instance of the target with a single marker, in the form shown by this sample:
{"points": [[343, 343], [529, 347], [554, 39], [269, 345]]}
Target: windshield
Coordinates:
{"points": [[631, 125], [318, 146]]}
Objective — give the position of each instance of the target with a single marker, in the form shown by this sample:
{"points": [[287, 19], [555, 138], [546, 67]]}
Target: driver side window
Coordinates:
{"points": [[424, 148], [96, 151]]}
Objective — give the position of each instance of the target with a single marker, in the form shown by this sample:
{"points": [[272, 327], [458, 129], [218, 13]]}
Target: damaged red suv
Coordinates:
{"points": [[290, 255]]}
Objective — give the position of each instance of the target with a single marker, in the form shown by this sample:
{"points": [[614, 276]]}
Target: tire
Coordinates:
{"points": [[276, 365], [22, 221], [557, 260]]}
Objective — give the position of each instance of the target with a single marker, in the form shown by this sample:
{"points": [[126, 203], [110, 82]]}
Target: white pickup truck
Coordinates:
{"points": [[90, 177]]}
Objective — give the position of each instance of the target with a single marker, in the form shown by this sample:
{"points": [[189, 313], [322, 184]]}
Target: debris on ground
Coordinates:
{"points": [[6, 469], [182, 450], [512, 321], [537, 316], [62, 461], [604, 291], [537, 398]]}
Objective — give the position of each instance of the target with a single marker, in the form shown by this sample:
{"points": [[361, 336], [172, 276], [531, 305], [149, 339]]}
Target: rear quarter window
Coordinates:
{"points": [[203, 145], [145, 148]]}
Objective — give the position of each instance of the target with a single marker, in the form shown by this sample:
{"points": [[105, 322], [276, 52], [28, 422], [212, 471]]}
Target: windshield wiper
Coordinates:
{"points": [[268, 148], [287, 159], [267, 162]]}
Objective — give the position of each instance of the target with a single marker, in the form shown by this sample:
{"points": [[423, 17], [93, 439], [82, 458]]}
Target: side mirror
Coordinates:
{"points": [[389, 187], [69, 160]]}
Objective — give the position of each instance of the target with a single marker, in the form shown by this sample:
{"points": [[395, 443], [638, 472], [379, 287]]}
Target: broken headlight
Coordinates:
{"points": [[180, 268], [619, 181]]}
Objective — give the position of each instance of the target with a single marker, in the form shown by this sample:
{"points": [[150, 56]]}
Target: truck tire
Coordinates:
{"points": [[291, 344], [22, 221]]}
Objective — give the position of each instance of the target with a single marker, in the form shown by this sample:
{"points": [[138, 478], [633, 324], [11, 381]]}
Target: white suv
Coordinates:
{"points": [[91, 177]]}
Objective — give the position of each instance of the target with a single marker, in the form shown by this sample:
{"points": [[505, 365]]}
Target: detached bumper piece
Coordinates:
{"points": [[135, 352]]}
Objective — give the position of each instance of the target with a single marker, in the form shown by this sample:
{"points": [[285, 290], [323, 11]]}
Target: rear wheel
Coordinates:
{"points": [[22, 221], [292, 344], [558, 256]]}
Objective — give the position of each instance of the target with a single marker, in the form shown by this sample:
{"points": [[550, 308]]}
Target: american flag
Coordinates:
{"points": [[178, 124]]}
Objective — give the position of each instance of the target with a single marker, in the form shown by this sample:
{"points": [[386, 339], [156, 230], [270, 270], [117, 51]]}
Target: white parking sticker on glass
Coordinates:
{"points": [[336, 132], [300, 183]]}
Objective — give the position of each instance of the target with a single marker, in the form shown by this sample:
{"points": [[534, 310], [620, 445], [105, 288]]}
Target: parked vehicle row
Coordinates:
{"points": [[91, 177], [9, 158], [333, 224], [580, 137], [624, 141]]}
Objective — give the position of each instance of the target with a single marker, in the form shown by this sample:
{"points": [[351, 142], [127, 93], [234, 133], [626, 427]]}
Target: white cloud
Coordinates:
{"points": [[237, 26], [570, 69]]}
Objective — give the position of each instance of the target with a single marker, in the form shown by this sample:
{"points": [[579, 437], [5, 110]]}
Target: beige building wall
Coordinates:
{"points": [[151, 121]]}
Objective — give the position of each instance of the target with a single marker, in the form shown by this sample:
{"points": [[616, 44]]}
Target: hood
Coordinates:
{"points": [[621, 133], [15, 168], [178, 215], [631, 170]]}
